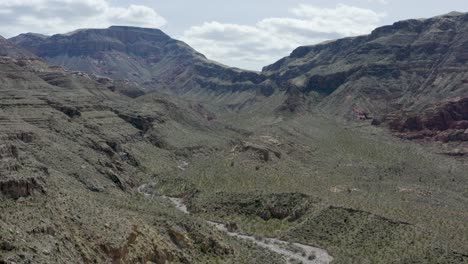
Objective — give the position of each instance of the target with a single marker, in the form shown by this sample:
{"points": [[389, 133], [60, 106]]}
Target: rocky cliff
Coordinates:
{"points": [[407, 65]]}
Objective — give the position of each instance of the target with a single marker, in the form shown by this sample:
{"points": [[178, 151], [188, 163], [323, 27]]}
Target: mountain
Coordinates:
{"points": [[8, 49], [145, 56], [407, 65]]}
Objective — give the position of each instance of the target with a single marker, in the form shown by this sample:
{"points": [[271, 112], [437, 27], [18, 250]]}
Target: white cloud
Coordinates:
{"points": [[53, 16], [254, 46], [383, 2]]}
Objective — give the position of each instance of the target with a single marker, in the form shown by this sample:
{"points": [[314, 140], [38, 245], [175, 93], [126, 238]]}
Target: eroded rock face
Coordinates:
{"points": [[17, 188], [12, 185], [447, 121]]}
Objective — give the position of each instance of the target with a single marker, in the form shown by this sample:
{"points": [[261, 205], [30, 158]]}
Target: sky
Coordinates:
{"points": [[248, 34]]}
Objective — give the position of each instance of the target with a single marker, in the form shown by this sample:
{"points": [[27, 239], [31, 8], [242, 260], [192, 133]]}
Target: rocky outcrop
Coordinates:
{"points": [[143, 123], [201, 110], [446, 121], [16, 178], [264, 153], [17, 188], [136, 240], [289, 206]]}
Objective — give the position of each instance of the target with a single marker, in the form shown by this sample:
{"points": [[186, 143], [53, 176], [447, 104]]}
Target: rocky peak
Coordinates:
{"points": [[136, 41], [454, 14]]}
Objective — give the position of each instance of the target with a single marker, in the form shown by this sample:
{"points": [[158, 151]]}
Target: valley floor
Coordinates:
{"points": [[349, 188]]}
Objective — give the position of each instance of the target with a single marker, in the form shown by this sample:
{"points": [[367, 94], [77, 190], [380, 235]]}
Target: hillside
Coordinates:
{"points": [[72, 155], [8, 49]]}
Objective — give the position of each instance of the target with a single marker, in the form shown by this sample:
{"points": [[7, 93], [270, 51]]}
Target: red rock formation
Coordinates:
{"points": [[447, 121]]}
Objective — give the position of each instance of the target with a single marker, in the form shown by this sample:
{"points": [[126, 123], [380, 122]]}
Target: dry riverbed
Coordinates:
{"points": [[292, 252]]}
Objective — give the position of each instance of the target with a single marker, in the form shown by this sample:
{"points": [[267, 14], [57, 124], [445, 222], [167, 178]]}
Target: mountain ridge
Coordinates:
{"points": [[367, 71], [143, 55]]}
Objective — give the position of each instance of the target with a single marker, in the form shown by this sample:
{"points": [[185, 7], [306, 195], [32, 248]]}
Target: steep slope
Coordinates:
{"points": [[409, 64], [72, 154], [145, 56]]}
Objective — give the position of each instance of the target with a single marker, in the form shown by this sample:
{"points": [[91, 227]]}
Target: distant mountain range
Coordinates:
{"points": [[407, 65]]}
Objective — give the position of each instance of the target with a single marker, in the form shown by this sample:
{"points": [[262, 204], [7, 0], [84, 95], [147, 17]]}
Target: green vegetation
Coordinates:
{"points": [[379, 200]]}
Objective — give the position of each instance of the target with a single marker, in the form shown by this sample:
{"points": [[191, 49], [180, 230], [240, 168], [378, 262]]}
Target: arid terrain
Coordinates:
{"points": [[123, 145]]}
